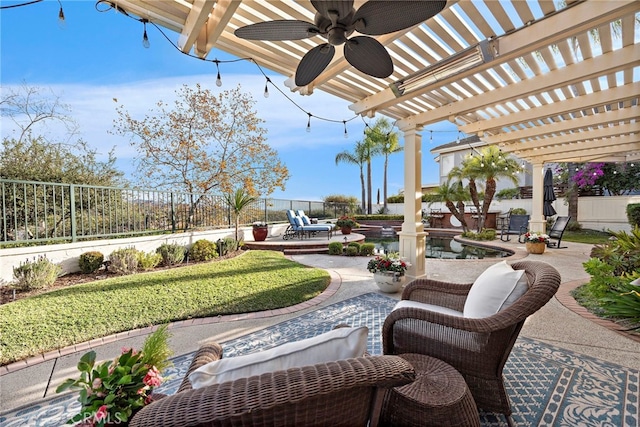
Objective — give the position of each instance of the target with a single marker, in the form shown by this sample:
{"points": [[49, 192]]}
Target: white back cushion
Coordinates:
{"points": [[337, 344], [495, 289]]}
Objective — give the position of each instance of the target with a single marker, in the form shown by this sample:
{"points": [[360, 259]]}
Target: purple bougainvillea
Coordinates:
{"points": [[589, 174]]}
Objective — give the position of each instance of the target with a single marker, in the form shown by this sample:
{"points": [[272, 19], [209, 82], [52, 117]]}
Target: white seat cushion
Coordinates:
{"points": [[429, 307], [495, 289], [337, 344]]}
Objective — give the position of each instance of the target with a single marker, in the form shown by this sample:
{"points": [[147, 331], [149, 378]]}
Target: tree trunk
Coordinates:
{"points": [[369, 201], [489, 192], [384, 187], [572, 192], [364, 202]]}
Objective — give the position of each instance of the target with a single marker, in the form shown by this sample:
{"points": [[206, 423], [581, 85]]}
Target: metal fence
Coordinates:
{"points": [[42, 211]]}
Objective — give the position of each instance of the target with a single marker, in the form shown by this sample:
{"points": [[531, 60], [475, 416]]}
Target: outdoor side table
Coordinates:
{"points": [[438, 397]]}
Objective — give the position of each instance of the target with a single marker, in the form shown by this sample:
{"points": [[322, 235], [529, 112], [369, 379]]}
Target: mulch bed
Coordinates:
{"points": [[9, 294]]}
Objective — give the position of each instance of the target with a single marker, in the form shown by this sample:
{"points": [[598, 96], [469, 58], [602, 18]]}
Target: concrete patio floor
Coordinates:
{"points": [[561, 322]]}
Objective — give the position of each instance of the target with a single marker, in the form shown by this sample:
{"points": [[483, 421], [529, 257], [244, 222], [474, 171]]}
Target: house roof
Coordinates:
{"points": [[563, 84]]}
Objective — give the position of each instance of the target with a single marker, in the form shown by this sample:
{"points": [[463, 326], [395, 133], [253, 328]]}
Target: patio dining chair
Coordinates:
{"points": [[473, 326], [556, 232], [518, 225]]}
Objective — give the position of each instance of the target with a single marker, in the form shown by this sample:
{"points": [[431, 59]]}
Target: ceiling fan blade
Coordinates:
{"points": [[384, 17], [342, 7], [278, 30], [369, 56], [313, 63]]}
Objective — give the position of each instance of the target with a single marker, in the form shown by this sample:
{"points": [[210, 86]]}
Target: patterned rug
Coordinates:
{"points": [[548, 386]]}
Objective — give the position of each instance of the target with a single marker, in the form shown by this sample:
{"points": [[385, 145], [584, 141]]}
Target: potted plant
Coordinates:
{"points": [[388, 271], [346, 224], [113, 391], [535, 243], [260, 231]]}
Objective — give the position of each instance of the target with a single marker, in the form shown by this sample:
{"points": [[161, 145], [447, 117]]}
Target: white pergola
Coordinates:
{"points": [[560, 81]]}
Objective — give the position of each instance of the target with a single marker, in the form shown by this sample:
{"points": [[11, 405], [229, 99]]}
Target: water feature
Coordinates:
{"points": [[442, 247]]}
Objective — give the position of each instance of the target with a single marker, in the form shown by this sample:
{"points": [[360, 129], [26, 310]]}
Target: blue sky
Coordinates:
{"points": [[99, 56]]}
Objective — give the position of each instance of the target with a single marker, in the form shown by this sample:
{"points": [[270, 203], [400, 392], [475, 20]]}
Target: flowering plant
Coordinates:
{"points": [[388, 263], [535, 238], [259, 224], [346, 222], [113, 391]]}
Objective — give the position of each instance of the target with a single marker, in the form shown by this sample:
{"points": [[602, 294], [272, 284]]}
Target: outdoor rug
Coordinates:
{"points": [[548, 386]]}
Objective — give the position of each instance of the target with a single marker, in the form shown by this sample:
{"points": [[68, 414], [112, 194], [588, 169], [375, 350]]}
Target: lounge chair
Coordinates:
{"points": [[518, 224], [298, 229], [433, 319], [557, 230]]}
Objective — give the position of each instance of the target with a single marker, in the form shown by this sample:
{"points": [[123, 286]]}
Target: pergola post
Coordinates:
{"points": [[413, 236], [537, 223]]}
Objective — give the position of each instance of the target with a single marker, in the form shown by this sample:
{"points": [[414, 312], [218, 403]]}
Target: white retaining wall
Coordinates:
{"points": [[68, 254]]}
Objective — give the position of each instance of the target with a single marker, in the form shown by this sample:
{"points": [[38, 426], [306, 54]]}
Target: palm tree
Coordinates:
{"points": [[386, 141], [453, 194], [357, 157], [237, 201], [489, 166]]}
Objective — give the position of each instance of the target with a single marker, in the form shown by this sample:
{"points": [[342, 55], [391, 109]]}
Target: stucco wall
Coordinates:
{"points": [[67, 254], [595, 213]]}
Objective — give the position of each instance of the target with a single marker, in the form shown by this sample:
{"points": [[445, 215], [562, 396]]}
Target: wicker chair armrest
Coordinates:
{"points": [[209, 352], [286, 390], [443, 294]]}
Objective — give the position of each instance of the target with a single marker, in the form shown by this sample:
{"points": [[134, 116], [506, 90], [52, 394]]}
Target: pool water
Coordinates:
{"points": [[442, 248]]}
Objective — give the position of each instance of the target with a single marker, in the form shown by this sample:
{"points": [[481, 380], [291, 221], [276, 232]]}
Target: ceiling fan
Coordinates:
{"points": [[336, 20]]}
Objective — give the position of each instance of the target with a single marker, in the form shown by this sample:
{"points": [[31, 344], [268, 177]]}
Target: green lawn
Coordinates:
{"points": [[255, 281], [593, 237]]}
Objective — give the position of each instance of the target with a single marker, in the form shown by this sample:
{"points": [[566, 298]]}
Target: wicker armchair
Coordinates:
{"points": [[477, 348], [339, 393]]}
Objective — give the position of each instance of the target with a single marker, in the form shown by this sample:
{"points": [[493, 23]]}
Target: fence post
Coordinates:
{"points": [[173, 214], [72, 212]]}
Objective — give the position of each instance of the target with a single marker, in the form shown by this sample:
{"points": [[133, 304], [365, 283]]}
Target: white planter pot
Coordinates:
{"points": [[389, 282]]}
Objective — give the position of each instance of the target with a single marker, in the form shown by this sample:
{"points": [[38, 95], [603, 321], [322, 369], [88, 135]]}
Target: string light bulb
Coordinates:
{"points": [[61, 22], [309, 123], [458, 139], [266, 88], [218, 78], [346, 134], [145, 38]]}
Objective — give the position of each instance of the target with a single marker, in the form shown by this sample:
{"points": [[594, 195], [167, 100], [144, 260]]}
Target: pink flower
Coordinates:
{"points": [[101, 413], [97, 383], [153, 378]]}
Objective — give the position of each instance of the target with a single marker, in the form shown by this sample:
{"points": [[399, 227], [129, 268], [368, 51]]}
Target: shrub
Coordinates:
{"points": [[171, 253], [574, 226], [633, 214], [335, 248], [508, 193], [624, 303], [230, 245], [518, 211], [124, 261], [352, 251], [37, 274], [485, 234], [355, 245], [367, 249], [203, 250], [148, 261], [90, 262]]}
